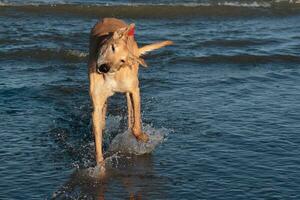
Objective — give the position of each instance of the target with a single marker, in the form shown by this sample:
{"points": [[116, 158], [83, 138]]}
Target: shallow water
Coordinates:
{"points": [[222, 104]]}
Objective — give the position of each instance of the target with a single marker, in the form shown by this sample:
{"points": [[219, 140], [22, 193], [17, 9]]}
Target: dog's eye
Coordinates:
{"points": [[113, 48], [122, 61]]}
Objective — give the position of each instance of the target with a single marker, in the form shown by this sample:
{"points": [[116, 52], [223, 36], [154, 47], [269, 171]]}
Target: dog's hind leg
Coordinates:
{"points": [[137, 129], [130, 110]]}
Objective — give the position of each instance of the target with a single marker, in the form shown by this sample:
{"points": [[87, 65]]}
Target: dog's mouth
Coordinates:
{"points": [[104, 68]]}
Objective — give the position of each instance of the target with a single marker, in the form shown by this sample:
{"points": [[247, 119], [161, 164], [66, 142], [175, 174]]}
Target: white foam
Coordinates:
{"points": [[252, 4], [77, 53], [4, 4]]}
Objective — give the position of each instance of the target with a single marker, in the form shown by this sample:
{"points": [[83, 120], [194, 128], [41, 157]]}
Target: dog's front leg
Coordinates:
{"points": [[137, 129], [98, 124], [104, 110]]}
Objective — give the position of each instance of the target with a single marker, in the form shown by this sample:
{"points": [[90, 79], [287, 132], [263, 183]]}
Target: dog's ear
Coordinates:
{"points": [[142, 62], [119, 33], [133, 59], [145, 49], [130, 30], [124, 32]]}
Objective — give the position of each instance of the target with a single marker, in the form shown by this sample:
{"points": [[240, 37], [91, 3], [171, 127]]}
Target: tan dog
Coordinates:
{"points": [[114, 59]]}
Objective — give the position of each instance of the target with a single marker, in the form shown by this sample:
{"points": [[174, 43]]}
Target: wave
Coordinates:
{"points": [[238, 3], [239, 59], [141, 10], [65, 55], [236, 43]]}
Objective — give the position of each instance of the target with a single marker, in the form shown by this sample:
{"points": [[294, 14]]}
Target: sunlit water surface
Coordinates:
{"points": [[221, 105]]}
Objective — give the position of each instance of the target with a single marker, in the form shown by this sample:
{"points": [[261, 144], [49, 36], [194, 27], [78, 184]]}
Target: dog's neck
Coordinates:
{"points": [[109, 75]]}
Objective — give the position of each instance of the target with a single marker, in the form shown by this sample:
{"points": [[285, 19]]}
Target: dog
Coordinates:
{"points": [[114, 59]]}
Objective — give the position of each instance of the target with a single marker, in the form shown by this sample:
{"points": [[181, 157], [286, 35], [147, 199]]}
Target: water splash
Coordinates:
{"points": [[124, 150], [126, 143]]}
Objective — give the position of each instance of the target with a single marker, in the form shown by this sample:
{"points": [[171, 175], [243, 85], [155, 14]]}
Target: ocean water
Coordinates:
{"points": [[221, 105]]}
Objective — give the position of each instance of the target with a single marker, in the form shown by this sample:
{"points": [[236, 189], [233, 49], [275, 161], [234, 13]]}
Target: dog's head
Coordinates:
{"points": [[115, 53]]}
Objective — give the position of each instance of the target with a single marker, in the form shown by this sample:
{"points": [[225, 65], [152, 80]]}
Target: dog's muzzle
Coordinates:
{"points": [[104, 68]]}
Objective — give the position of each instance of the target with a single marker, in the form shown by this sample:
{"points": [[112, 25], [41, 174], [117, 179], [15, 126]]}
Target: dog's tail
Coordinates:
{"points": [[145, 49]]}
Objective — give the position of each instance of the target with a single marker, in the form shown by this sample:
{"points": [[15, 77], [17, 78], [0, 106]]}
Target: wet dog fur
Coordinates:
{"points": [[114, 59]]}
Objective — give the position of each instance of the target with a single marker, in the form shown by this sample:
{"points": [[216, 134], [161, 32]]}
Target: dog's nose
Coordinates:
{"points": [[104, 68]]}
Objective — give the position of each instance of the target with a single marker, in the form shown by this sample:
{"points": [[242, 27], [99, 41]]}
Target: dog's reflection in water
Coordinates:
{"points": [[125, 177]]}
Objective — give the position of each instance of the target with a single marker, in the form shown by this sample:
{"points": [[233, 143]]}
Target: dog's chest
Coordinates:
{"points": [[110, 82], [115, 85]]}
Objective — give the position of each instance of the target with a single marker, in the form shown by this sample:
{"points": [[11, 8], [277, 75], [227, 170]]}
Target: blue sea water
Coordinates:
{"points": [[222, 103]]}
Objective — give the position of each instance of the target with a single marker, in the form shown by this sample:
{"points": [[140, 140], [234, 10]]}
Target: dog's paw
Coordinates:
{"points": [[142, 137], [98, 172]]}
